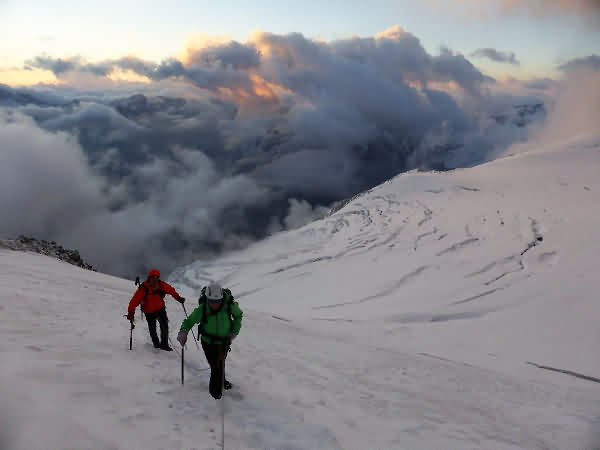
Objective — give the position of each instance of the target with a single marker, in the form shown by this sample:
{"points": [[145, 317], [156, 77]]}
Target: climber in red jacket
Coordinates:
{"points": [[151, 294]]}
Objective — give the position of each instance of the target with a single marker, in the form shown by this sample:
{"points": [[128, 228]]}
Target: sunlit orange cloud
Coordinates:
{"points": [[261, 91], [447, 86], [20, 77], [267, 89], [118, 75], [272, 45], [262, 42], [199, 41]]}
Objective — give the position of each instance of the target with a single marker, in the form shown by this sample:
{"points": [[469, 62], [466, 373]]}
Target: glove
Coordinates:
{"points": [[181, 300], [182, 337], [130, 315], [232, 336]]}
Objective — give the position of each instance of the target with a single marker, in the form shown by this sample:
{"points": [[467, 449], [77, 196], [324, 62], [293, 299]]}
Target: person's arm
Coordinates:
{"points": [[237, 314], [168, 289], [194, 318], [134, 302]]}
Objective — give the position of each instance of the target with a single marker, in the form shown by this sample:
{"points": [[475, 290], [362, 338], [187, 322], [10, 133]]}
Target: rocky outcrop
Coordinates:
{"points": [[29, 244]]}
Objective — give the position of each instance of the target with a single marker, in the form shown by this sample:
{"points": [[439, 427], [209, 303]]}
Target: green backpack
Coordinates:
{"points": [[228, 297]]}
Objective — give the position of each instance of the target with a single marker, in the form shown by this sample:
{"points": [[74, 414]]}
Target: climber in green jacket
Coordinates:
{"points": [[220, 319]]}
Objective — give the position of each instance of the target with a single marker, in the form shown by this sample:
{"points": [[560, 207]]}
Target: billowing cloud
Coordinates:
{"points": [[497, 56], [540, 83], [591, 62], [201, 75], [399, 56], [234, 140], [60, 66], [576, 109], [182, 198], [231, 54], [301, 213], [457, 68], [59, 180], [573, 114], [269, 58]]}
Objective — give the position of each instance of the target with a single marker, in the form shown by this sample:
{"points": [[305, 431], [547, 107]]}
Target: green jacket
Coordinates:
{"points": [[217, 324]]}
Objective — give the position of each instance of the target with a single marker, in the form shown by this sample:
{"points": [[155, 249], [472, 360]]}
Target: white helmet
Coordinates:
{"points": [[214, 292]]}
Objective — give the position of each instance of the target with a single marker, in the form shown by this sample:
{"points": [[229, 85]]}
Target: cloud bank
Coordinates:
{"points": [[235, 140], [497, 56], [591, 62]]}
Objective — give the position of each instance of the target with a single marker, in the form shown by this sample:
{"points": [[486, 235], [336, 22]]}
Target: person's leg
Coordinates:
{"points": [[163, 321], [212, 353], [151, 319]]}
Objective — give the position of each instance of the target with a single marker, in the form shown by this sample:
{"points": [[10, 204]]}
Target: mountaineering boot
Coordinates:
{"points": [[166, 347], [227, 385]]}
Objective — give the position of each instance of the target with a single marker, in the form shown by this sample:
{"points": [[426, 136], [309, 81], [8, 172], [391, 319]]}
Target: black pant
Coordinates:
{"points": [[163, 320], [216, 355]]}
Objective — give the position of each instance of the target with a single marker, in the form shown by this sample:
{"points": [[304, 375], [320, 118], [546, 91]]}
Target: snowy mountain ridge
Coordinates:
{"points": [[453, 310]]}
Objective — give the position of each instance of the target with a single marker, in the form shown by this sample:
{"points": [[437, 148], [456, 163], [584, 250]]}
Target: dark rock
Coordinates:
{"points": [[28, 244]]}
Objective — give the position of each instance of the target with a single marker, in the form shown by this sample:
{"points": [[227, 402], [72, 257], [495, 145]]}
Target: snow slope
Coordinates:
{"points": [[436, 311]]}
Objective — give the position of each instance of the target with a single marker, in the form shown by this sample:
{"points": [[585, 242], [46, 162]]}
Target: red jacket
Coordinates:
{"points": [[151, 300]]}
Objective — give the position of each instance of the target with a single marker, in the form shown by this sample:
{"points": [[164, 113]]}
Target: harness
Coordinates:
{"points": [[202, 301], [147, 292]]}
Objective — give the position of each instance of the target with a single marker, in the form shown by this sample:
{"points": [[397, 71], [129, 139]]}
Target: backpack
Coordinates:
{"points": [[202, 302], [160, 292]]}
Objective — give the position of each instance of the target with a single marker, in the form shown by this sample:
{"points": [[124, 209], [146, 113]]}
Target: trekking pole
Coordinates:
{"points": [[223, 355], [186, 315], [130, 333], [182, 350]]}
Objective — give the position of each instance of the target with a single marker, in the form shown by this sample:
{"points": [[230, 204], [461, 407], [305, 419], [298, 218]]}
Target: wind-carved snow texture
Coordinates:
{"points": [[383, 293], [458, 246], [475, 297], [566, 372], [517, 260], [352, 337], [300, 264], [464, 246], [424, 235]]}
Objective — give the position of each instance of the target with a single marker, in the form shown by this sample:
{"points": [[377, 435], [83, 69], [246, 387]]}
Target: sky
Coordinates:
{"points": [[95, 31], [211, 126]]}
